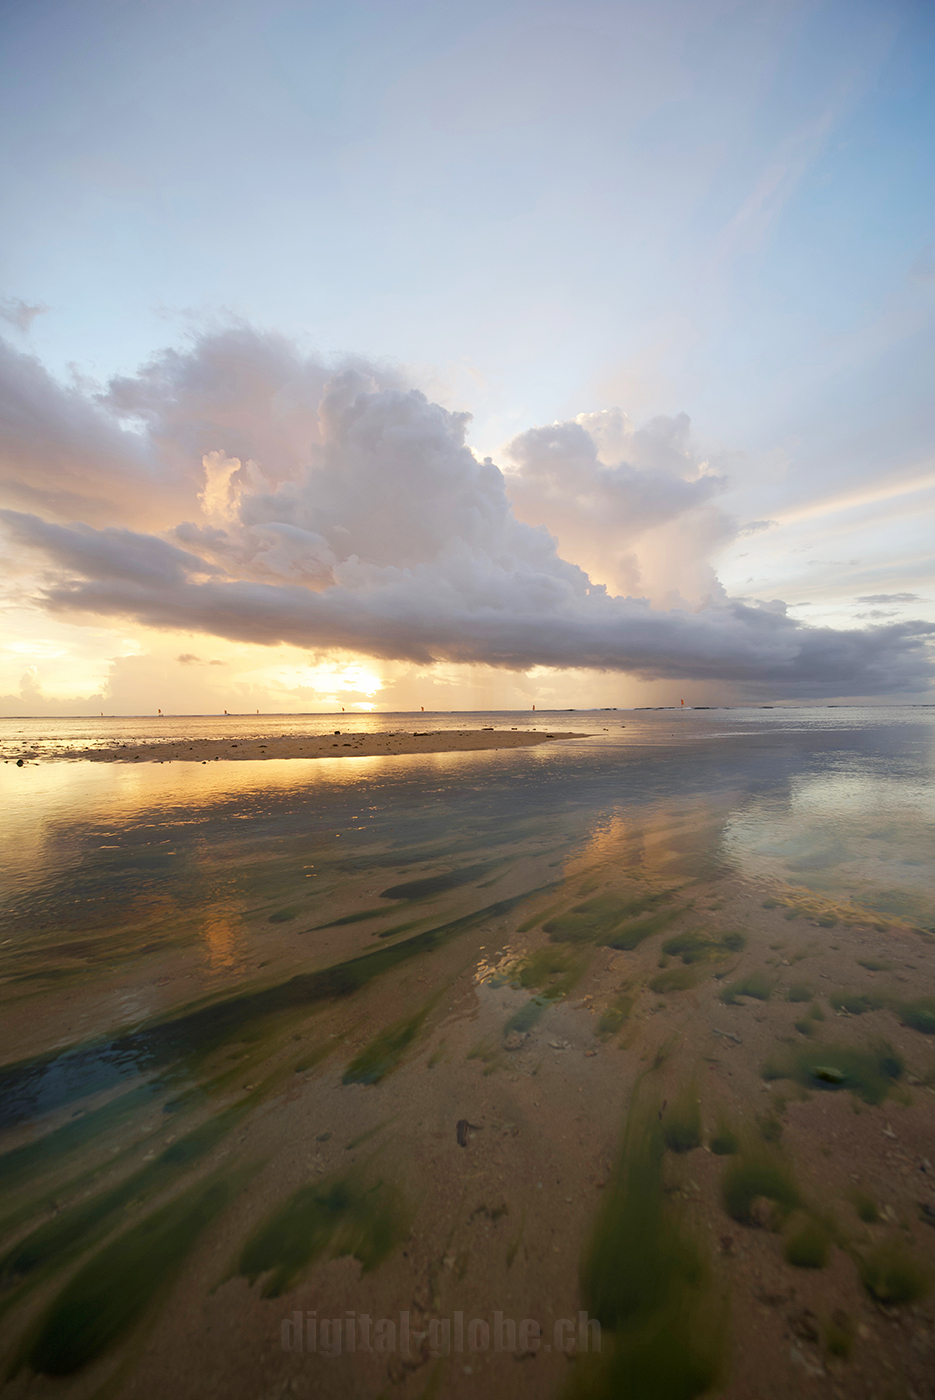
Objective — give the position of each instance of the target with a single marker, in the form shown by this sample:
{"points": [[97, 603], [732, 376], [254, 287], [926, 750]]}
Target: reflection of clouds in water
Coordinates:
{"points": [[221, 943], [854, 835]]}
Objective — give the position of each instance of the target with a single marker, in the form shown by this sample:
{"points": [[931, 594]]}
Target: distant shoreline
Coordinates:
{"points": [[338, 744]]}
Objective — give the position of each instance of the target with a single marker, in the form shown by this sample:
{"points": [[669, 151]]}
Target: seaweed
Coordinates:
{"points": [[559, 966], [648, 1284], [681, 1125], [755, 984], [631, 935], [677, 979], [866, 1208], [60, 1238], [892, 1275], [839, 1334], [431, 885], [919, 1015], [752, 1177], [694, 947], [108, 1296], [45, 1082], [384, 1051], [341, 1216], [870, 1073], [615, 1014], [854, 1003], [724, 1143], [595, 920], [807, 1243]]}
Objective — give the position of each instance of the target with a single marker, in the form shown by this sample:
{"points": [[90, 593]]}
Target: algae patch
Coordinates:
{"points": [[611, 919], [755, 985], [649, 1285], [892, 1275], [752, 1178], [109, 1295], [681, 1126], [870, 1074], [385, 1051], [696, 947], [807, 1243], [919, 1015], [337, 1217]]}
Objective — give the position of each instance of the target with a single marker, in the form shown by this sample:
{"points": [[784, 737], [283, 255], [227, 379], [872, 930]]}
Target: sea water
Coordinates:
{"points": [[377, 1033]]}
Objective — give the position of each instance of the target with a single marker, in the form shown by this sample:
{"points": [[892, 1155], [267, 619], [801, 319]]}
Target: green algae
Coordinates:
{"points": [[799, 992], [647, 1282], [807, 1244], [892, 1275], [870, 1074], [866, 1207], [633, 934], [753, 1176], [681, 1124], [558, 966], [61, 1238], [26, 1163], [875, 964], [397, 928], [755, 984], [693, 947], [839, 1334], [855, 1004], [919, 1015], [677, 979], [196, 1033], [385, 1051], [724, 1143], [109, 1295], [600, 920], [360, 917], [431, 885], [614, 1016], [341, 1216]]}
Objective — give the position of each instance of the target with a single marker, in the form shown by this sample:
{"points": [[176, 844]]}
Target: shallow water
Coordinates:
{"points": [[392, 1035]]}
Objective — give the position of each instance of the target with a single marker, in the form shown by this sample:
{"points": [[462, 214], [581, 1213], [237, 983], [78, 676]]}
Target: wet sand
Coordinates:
{"points": [[529, 1069], [334, 744]]}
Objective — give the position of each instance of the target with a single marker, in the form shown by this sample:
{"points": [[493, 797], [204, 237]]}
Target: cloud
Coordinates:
{"points": [[634, 504], [20, 313], [890, 598], [365, 523], [59, 453]]}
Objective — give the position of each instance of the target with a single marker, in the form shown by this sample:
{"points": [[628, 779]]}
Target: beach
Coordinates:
{"points": [[427, 1046]]}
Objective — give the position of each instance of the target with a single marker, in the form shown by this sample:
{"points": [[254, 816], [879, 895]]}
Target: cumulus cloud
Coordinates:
{"points": [[635, 503], [337, 508]]}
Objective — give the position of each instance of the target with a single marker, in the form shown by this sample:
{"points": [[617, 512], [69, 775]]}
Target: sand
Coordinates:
{"points": [[336, 744]]}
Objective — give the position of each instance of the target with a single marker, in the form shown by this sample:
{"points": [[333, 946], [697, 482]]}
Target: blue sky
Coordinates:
{"points": [[531, 212]]}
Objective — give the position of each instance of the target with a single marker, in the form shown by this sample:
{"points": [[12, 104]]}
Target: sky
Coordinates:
{"points": [[462, 355]]}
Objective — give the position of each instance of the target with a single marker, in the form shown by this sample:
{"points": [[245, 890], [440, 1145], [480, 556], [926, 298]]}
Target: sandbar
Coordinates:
{"points": [[332, 744]]}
